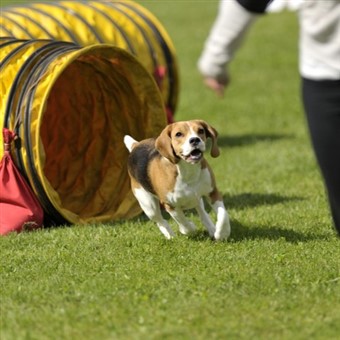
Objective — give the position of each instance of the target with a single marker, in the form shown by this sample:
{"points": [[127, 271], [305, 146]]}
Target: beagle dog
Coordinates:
{"points": [[171, 171]]}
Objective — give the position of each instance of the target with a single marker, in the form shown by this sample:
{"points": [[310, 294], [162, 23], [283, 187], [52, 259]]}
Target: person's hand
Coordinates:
{"points": [[218, 85]]}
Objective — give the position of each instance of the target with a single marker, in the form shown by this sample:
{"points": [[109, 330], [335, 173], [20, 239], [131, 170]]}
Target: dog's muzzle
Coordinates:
{"points": [[195, 155], [193, 151]]}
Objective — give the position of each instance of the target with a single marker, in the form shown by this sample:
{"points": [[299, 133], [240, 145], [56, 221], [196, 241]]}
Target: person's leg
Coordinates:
{"points": [[322, 105]]}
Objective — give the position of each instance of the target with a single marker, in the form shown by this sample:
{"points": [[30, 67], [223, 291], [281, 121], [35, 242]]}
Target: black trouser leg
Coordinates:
{"points": [[322, 105]]}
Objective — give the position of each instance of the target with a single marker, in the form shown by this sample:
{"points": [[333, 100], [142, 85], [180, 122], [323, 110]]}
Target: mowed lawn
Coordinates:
{"points": [[278, 277]]}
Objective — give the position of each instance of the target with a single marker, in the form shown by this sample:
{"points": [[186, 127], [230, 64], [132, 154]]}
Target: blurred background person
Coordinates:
{"points": [[319, 65]]}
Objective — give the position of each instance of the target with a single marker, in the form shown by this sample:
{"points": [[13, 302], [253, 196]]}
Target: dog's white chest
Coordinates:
{"points": [[189, 188]]}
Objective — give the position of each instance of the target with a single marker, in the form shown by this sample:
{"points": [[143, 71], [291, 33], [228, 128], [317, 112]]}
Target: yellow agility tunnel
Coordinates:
{"points": [[125, 24], [71, 107]]}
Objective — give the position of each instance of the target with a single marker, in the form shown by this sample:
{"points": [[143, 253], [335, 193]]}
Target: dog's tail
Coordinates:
{"points": [[129, 142]]}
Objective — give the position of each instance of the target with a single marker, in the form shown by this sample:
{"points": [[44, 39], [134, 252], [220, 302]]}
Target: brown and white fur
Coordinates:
{"points": [[171, 170]]}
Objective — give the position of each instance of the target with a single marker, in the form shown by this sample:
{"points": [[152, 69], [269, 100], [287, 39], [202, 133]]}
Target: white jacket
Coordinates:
{"points": [[319, 38]]}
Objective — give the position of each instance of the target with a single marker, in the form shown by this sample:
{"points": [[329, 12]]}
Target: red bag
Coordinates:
{"points": [[19, 208]]}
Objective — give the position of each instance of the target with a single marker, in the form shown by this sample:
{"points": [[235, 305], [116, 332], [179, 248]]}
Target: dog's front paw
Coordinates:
{"points": [[223, 233]]}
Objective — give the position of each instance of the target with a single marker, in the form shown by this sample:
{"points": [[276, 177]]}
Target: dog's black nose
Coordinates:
{"points": [[194, 141]]}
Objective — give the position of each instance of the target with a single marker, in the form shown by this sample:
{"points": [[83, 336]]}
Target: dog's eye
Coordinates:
{"points": [[179, 134], [201, 131]]}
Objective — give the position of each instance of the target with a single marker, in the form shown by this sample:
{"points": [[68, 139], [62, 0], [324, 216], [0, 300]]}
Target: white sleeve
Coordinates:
{"points": [[226, 35], [320, 39]]}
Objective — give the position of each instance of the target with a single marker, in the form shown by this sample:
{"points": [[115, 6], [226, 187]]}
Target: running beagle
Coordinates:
{"points": [[170, 170]]}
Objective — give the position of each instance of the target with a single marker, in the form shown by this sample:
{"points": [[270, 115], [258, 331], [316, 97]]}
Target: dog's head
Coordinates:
{"points": [[187, 141]]}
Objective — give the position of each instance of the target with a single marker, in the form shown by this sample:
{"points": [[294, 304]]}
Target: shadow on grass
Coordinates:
{"points": [[250, 200], [248, 139], [241, 233], [246, 200]]}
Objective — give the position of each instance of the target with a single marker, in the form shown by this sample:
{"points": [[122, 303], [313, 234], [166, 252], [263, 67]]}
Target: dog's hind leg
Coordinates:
{"points": [[151, 208], [185, 226], [205, 218]]}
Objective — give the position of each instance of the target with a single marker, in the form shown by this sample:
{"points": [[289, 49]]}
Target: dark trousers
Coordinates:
{"points": [[322, 105]]}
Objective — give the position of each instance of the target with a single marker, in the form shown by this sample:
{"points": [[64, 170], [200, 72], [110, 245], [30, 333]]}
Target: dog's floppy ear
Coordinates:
{"points": [[164, 146], [212, 133]]}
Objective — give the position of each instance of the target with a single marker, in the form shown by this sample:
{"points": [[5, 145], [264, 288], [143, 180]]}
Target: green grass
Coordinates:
{"points": [[277, 278]]}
